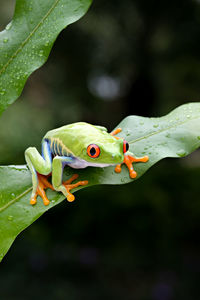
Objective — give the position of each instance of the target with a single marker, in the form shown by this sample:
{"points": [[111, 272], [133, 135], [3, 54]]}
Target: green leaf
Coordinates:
{"points": [[26, 42], [174, 135]]}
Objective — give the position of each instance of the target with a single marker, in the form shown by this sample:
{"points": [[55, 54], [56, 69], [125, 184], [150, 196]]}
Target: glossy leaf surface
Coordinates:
{"points": [[174, 135], [26, 42]]}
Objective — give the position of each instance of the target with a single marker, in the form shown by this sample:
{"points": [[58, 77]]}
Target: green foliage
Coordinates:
{"points": [[26, 42], [174, 135]]}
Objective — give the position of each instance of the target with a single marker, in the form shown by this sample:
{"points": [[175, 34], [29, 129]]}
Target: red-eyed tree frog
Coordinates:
{"points": [[78, 145]]}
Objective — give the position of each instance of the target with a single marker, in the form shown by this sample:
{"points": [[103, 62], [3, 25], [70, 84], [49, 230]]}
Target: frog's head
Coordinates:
{"points": [[104, 150]]}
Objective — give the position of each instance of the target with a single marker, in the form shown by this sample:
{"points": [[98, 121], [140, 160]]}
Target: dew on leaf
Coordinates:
{"points": [[8, 27], [10, 218], [2, 92], [128, 132], [5, 41], [41, 53], [181, 153]]}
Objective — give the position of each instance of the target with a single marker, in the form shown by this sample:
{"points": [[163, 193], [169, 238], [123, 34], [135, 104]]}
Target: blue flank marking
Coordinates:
{"points": [[45, 144], [60, 150], [53, 147], [66, 160]]}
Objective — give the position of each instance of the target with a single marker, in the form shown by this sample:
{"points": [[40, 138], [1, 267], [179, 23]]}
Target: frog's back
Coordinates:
{"points": [[67, 140], [71, 132]]}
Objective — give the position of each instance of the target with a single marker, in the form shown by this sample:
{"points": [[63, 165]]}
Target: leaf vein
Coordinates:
{"points": [[15, 199], [28, 38], [162, 130]]}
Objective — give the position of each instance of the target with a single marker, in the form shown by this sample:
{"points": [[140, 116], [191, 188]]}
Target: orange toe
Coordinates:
{"points": [[43, 184], [69, 186], [128, 160]]}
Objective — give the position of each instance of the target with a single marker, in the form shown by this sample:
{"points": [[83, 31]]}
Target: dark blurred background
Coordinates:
{"points": [[138, 241]]}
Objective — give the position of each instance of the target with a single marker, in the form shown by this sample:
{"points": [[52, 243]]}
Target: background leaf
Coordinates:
{"points": [[26, 42], [174, 135]]}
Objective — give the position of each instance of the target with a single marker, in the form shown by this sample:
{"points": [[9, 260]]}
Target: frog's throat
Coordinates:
{"points": [[79, 163]]}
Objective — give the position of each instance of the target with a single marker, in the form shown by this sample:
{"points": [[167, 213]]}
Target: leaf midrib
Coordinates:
{"points": [[15, 199], [21, 46], [162, 130]]}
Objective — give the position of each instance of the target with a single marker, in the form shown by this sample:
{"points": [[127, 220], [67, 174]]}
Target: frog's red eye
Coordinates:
{"points": [[93, 150], [125, 146]]}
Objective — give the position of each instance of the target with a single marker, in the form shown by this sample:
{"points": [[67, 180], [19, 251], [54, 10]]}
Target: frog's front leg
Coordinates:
{"points": [[57, 173], [39, 166], [128, 160], [128, 157]]}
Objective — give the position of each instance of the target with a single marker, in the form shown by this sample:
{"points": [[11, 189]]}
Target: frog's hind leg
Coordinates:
{"points": [[39, 166], [57, 173], [42, 185]]}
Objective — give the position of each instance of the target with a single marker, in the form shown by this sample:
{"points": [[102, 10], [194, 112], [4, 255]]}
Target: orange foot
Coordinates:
{"points": [[128, 160], [69, 186], [43, 184]]}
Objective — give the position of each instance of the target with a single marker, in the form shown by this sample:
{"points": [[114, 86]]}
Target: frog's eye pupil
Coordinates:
{"points": [[93, 150], [125, 146]]}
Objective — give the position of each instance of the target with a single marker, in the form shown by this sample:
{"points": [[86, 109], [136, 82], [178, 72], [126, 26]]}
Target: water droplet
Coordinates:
{"points": [[188, 116], [2, 92], [155, 125], [181, 153], [5, 40], [141, 123], [10, 218], [128, 132], [167, 135], [13, 195], [41, 53], [9, 26]]}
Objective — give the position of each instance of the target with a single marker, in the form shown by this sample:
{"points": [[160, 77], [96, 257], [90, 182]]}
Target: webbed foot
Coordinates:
{"points": [[68, 187], [128, 160], [43, 184]]}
